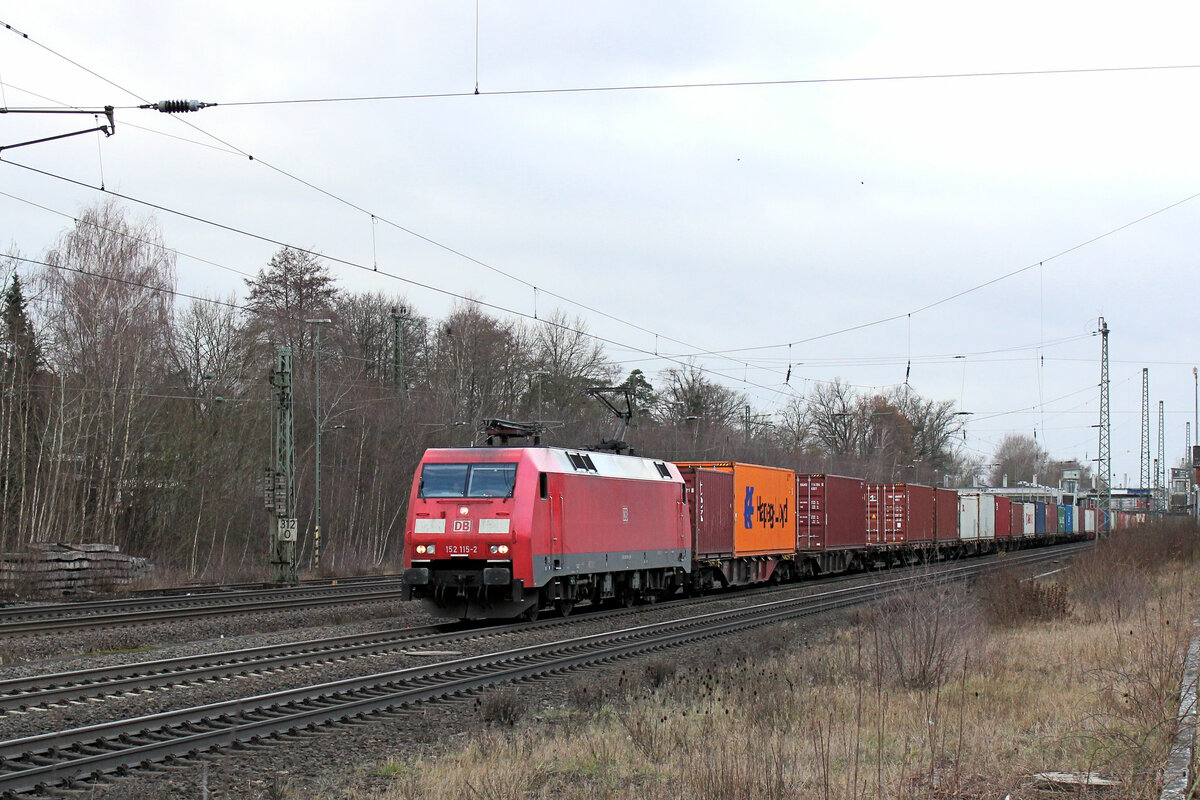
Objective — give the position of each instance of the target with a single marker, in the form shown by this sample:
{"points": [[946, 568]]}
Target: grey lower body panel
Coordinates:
{"points": [[547, 567]]}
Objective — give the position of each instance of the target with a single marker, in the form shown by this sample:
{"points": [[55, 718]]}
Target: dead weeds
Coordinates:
{"points": [[930, 695]]}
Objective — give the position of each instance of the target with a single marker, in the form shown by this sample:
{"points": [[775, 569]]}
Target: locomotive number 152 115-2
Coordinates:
{"points": [[462, 549]]}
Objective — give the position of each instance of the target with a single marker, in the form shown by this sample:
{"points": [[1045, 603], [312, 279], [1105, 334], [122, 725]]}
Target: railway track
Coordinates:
{"points": [[66, 617], [221, 588], [67, 759], [43, 691]]}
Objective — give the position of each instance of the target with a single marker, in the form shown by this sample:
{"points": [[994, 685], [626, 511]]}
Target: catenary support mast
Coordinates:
{"points": [[1160, 483], [1145, 479], [1104, 462], [280, 490]]}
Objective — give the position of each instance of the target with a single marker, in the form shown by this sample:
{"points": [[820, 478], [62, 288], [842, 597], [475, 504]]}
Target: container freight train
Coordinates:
{"points": [[502, 532]]}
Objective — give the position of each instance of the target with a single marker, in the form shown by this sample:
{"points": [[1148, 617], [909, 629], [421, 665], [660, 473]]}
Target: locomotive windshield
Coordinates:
{"points": [[467, 480]]}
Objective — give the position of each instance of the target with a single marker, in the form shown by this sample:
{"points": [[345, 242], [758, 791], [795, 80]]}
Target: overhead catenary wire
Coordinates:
{"points": [[345, 262], [659, 356], [645, 87], [746, 364], [729, 84], [969, 290], [138, 239], [350, 204], [385, 220]]}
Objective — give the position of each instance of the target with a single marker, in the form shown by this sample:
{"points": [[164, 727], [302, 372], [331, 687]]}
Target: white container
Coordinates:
{"points": [[987, 516], [968, 517], [1029, 515]]}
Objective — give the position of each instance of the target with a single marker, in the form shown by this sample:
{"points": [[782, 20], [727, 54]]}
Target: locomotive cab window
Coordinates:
{"points": [[467, 480], [543, 486], [492, 480]]}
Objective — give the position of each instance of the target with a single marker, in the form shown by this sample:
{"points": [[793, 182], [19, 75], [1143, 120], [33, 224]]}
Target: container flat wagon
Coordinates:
{"points": [[758, 542]]}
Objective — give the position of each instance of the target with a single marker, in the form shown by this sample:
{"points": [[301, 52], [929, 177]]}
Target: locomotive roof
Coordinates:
{"points": [[563, 460]]}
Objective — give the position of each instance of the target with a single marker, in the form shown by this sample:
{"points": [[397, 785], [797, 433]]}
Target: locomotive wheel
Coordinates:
{"points": [[531, 613], [564, 607]]}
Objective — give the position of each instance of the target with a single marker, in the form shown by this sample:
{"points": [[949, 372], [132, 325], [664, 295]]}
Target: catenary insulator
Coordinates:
{"points": [[178, 106]]}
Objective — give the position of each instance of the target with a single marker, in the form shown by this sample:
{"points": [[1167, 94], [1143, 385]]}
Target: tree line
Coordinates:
{"points": [[132, 415]]}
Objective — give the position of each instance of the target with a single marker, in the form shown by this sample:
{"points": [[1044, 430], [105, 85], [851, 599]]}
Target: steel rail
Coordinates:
{"points": [[32, 625], [250, 586], [20, 694], [185, 600], [39, 691], [62, 759]]}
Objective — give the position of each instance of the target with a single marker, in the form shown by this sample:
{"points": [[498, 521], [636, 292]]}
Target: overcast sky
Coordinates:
{"points": [[728, 218]]}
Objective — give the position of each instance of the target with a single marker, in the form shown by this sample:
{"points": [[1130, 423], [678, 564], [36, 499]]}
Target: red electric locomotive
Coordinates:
{"points": [[508, 531]]}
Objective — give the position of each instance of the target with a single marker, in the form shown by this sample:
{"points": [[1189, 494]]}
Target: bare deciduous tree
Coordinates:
{"points": [[294, 286], [833, 419], [1019, 458], [108, 317]]}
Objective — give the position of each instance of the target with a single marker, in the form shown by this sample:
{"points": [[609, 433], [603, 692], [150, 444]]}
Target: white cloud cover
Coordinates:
{"points": [[728, 217]]}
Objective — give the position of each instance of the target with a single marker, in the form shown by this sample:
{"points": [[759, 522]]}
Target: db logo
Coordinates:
{"points": [[462, 526]]}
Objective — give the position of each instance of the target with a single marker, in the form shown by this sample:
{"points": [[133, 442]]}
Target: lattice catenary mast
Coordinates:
{"points": [[1145, 478], [1104, 462], [1160, 482], [280, 488]]}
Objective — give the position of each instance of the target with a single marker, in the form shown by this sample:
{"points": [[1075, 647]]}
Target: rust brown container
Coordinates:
{"points": [[710, 503], [1017, 528], [946, 514], [830, 512], [900, 512], [1004, 517]]}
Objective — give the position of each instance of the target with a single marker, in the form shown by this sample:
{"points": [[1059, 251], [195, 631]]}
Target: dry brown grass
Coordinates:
{"points": [[910, 701]]}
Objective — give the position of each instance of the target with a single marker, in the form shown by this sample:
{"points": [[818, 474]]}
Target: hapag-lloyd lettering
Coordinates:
{"points": [[769, 515]]}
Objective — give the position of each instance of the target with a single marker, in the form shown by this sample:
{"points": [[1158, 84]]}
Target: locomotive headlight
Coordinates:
{"points": [[463, 511], [501, 549], [425, 549]]}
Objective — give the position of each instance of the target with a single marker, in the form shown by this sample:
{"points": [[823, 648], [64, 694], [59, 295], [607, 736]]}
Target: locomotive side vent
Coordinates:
{"points": [[582, 461]]}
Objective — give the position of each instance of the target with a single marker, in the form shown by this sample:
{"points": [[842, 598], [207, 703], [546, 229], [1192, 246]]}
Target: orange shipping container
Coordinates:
{"points": [[764, 507]]}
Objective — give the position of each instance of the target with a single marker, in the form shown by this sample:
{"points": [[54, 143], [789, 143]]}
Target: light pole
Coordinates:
{"points": [[541, 376], [317, 475], [695, 420], [399, 316]]}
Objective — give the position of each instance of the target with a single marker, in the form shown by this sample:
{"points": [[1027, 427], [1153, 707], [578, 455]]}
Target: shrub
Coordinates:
{"points": [[587, 695], [503, 706], [1009, 602], [921, 635], [658, 671]]}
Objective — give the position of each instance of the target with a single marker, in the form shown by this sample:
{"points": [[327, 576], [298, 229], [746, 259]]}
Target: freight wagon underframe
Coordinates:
{"points": [[727, 571]]}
